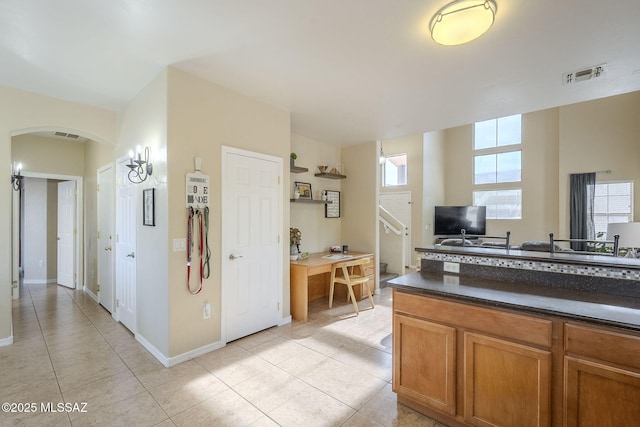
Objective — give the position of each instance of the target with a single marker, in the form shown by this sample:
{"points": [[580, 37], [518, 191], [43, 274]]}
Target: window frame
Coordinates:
{"points": [[384, 170]]}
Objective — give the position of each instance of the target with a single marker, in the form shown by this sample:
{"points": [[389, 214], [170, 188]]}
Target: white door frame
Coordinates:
{"points": [[409, 251], [113, 227], [224, 244], [79, 225]]}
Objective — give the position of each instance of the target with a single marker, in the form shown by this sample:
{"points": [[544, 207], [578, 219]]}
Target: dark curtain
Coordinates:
{"points": [[581, 196]]}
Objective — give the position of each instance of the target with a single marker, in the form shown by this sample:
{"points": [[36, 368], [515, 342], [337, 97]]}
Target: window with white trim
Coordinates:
{"points": [[394, 171], [613, 202], [497, 161]]}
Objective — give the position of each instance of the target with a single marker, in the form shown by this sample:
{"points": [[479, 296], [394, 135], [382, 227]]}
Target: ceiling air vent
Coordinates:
{"points": [[67, 135], [585, 74]]}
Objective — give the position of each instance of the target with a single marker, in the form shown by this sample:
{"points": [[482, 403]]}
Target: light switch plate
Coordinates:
{"points": [[179, 245]]}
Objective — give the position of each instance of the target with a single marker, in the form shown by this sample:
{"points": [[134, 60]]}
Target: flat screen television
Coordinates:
{"points": [[450, 220]]}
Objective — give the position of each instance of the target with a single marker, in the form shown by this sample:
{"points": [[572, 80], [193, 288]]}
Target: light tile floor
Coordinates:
{"points": [[334, 370]]}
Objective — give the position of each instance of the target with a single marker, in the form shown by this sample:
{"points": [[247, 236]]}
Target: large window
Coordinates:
{"points": [[501, 204], [497, 161], [613, 202], [394, 170]]}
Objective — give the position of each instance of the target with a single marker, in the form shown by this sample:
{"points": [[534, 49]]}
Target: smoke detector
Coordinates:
{"points": [[584, 74]]}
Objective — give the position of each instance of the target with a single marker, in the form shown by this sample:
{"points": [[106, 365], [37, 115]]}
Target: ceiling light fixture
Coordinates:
{"points": [[461, 21]]}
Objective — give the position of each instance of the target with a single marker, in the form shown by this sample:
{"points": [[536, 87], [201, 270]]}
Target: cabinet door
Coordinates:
{"points": [[600, 395], [424, 362], [505, 384]]}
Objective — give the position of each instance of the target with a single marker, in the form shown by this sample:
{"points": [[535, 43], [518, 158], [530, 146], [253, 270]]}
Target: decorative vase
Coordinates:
{"points": [[294, 250]]}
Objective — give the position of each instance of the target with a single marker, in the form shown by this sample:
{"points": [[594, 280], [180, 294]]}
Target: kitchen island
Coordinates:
{"points": [[516, 348]]}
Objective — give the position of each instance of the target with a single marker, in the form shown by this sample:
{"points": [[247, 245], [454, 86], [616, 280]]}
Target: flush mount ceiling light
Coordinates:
{"points": [[461, 21]]}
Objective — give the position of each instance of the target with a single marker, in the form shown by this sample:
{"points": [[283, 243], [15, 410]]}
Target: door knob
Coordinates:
{"points": [[232, 257], [108, 248], [131, 255]]}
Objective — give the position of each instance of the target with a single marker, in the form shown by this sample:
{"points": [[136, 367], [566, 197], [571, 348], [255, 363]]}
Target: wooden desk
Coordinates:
{"points": [[310, 280]]}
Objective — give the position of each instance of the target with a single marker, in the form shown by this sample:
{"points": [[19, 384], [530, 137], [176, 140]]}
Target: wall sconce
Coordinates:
{"points": [[140, 169], [461, 21], [381, 157], [16, 178]]}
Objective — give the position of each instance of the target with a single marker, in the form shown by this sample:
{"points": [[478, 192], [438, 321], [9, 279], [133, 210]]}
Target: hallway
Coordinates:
{"points": [[333, 370]]}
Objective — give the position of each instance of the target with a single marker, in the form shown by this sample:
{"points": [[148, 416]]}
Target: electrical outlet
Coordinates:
{"points": [[206, 311], [452, 267]]}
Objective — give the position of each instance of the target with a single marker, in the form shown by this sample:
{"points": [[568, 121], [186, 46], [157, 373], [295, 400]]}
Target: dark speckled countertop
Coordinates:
{"points": [[603, 309]]}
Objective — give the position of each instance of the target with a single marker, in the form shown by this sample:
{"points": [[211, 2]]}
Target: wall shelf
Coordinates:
{"points": [[298, 169], [317, 202], [330, 175]]}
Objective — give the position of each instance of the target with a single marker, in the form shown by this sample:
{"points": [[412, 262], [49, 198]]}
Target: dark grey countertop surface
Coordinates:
{"points": [[611, 310]]}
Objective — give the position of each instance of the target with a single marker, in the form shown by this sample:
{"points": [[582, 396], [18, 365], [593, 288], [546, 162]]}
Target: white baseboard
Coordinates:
{"points": [[6, 341], [285, 320], [168, 362], [195, 353], [90, 293], [35, 282]]}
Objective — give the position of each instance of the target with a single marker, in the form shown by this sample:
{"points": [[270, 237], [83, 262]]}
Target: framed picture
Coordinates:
{"points": [[332, 209], [304, 188], [149, 206]]}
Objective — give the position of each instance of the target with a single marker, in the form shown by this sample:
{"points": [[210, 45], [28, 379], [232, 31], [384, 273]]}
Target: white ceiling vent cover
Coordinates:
{"points": [[584, 74]]}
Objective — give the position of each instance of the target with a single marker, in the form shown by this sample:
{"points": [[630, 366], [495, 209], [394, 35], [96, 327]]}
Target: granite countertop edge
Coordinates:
{"points": [[606, 310]]}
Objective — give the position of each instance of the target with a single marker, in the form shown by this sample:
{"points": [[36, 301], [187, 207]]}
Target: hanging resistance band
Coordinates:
{"points": [[202, 219]]}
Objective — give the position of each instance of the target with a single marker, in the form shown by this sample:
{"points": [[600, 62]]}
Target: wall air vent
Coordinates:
{"points": [[584, 74]]}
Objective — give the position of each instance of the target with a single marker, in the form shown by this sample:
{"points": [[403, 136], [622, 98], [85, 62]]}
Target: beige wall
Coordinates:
{"points": [[202, 118], [25, 112], [318, 232], [585, 137], [360, 201], [411, 146], [48, 155], [539, 176], [433, 183], [597, 136]]}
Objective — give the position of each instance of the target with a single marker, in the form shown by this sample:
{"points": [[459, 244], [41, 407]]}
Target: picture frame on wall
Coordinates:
{"points": [[332, 208], [304, 188], [149, 207]]}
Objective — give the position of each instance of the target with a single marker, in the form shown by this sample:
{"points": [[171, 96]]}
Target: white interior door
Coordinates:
{"points": [[251, 247], [106, 294], [66, 228], [399, 205], [126, 208]]}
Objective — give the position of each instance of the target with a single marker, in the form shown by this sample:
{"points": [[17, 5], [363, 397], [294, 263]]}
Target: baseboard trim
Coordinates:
{"points": [[285, 321], [6, 341], [168, 362], [195, 353], [90, 293], [35, 282]]}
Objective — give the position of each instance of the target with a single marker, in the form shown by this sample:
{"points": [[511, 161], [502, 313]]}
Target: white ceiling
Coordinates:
{"points": [[347, 70]]}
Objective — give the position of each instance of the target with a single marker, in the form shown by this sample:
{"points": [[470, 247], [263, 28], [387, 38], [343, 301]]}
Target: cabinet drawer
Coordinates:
{"points": [[608, 346], [505, 324]]}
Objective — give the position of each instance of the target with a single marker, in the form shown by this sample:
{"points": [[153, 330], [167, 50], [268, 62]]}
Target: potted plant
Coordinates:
{"points": [[292, 159], [295, 236]]}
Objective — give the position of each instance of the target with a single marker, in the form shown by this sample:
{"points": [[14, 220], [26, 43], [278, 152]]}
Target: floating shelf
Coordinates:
{"points": [[317, 202], [330, 175], [298, 169]]}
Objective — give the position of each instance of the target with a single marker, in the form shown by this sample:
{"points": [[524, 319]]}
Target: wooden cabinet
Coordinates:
{"points": [[424, 368], [468, 365], [471, 365], [505, 384], [602, 377]]}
